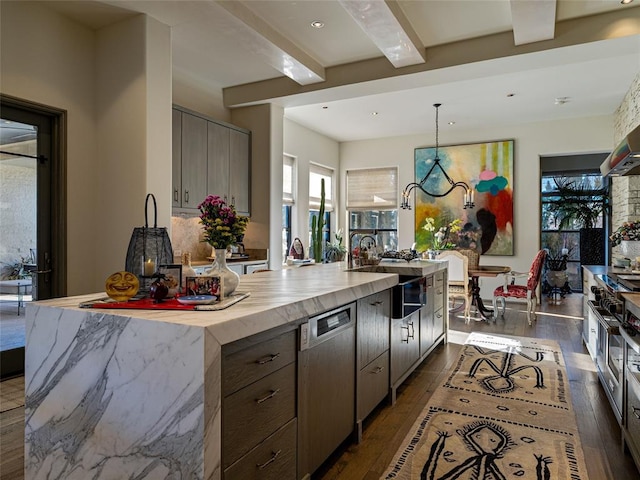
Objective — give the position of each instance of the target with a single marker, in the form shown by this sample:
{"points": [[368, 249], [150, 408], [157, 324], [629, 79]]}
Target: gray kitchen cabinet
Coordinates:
{"points": [[373, 323], [209, 158], [193, 162], [259, 421], [404, 349], [176, 155], [229, 166], [439, 301]]}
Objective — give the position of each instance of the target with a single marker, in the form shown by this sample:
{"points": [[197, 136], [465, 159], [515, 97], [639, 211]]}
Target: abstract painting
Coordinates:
{"points": [[488, 170]]}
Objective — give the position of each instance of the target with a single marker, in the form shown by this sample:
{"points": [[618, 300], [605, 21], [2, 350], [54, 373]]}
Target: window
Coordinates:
{"points": [[565, 214], [316, 174], [372, 204], [288, 199]]}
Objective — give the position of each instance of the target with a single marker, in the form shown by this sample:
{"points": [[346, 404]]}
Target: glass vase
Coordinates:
{"points": [[230, 279]]}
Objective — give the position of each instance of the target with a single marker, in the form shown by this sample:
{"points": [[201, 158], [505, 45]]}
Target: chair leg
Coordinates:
{"points": [[496, 301], [467, 309]]}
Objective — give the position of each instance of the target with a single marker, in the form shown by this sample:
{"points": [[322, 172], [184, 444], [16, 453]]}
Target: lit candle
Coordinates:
{"points": [[466, 198], [471, 196], [149, 268]]}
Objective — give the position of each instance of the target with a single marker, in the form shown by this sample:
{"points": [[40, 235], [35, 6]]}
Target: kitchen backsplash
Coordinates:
{"points": [[186, 236]]}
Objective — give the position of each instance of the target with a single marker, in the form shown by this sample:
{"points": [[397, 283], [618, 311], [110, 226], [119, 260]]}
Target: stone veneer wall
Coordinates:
{"points": [[625, 193]]}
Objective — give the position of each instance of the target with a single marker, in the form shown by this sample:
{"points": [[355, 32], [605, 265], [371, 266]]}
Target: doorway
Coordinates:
{"points": [[32, 206]]}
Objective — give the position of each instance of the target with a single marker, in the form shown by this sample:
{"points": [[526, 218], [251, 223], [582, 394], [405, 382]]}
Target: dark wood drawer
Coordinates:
{"points": [[373, 317], [373, 385], [245, 366], [253, 413], [273, 459]]}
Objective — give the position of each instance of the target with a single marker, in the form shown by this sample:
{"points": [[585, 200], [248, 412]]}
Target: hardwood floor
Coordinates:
{"points": [[387, 426]]}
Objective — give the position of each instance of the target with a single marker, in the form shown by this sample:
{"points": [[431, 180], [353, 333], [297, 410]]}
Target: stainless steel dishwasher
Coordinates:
{"points": [[326, 385]]}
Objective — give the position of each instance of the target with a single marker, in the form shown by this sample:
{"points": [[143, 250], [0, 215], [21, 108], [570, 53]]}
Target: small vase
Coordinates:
{"points": [[230, 279]]}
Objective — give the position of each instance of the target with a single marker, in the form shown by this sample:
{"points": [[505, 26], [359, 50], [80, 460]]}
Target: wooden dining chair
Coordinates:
{"points": [[525, 291], [458, 279]]}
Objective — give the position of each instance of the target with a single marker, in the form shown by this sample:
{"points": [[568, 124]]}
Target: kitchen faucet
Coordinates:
{"points": [[367, 233]]}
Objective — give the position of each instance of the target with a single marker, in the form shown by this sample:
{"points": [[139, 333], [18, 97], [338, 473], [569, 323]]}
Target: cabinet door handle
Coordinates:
{"points": [[413, 331], [233, 199], [378, 370], [376, 303], [271, 358], [274, 455], [635, 412], [271, 395], [175, 194], [186, 196]]}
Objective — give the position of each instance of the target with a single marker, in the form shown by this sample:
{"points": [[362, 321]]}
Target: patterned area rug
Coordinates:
{"points": [[504, 411]]}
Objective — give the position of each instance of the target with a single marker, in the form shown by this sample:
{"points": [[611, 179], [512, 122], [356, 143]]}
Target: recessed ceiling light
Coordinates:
{"points": [[511, 95], [374, 113], [317, 24], [452, 123], [562, 100], [625, 2]]}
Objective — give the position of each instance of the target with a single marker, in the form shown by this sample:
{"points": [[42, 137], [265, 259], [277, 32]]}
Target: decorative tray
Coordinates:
{"points": [[169, 304]]}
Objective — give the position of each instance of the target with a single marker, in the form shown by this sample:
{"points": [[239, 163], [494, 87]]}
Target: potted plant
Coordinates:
{"points": [[335, 251], [579, 206]]}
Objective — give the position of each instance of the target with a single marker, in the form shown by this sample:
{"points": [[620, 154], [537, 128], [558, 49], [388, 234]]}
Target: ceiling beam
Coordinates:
{"points": [[533, 20], [278, 51], [386, 25]]}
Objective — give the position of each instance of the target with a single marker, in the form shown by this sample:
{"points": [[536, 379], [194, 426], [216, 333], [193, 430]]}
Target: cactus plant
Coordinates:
{"points": [[317, 224]]}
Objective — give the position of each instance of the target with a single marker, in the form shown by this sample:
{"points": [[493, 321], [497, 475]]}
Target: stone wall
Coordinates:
{"points": [[625, 192]]}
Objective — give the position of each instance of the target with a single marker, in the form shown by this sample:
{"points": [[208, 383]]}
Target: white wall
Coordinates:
{"points": [[49, 59], [110, 83], [584, 135]]}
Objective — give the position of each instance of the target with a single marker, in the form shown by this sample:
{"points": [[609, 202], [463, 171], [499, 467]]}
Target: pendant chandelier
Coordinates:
{"points": [[468, 192]]}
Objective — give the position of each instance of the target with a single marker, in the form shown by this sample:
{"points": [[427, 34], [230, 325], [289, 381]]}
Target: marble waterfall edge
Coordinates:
{"points": [[113, 397]]}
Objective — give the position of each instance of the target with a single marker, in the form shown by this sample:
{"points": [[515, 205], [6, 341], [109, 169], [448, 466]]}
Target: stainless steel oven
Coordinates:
{"points": [[608, 309]]}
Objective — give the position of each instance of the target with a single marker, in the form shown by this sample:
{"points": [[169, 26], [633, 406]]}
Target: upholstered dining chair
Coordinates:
{"points": [[526, 291], [458, 278]]}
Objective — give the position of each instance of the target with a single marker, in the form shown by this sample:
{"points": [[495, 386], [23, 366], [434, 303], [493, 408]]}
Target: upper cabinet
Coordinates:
{"points": [[209, 158]]}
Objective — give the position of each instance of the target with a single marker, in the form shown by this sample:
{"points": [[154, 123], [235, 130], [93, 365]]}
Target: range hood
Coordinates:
{"points": [[625, 159]]}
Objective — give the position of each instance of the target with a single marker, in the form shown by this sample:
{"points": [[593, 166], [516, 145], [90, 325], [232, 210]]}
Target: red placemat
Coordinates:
{"points": [[141, 304], [169, 304]]}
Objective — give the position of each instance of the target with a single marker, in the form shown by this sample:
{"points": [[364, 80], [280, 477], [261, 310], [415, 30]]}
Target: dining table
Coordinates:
{"points": [[477, 271]]}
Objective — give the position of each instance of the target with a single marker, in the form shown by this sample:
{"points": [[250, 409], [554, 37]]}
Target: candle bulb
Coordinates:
{"points": [[471, 196], [149, 268]]}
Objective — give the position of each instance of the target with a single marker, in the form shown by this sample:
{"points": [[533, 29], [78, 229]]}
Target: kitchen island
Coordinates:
{"points": [[149, 394]]}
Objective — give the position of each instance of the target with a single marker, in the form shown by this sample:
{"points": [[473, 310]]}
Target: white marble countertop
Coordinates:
{"points": [[276, 298]]}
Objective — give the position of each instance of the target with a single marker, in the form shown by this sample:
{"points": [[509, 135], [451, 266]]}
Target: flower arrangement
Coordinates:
{"points": [[628, 231], [223, 226], [440, 234]]}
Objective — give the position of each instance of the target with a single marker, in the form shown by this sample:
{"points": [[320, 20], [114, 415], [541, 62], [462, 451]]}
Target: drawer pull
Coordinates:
{"points": [[635, 412], [378, 370], [271, 395], [267, 360], [274, 455], [376, 303]]}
